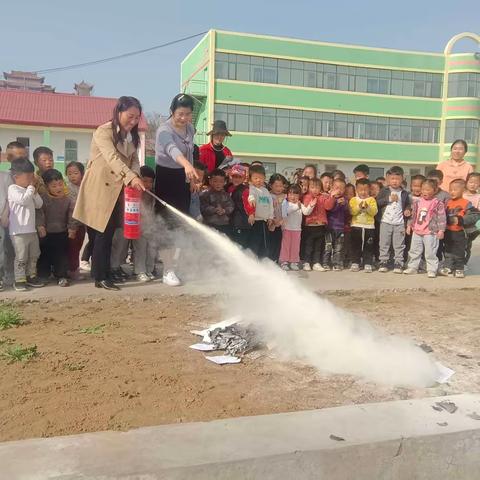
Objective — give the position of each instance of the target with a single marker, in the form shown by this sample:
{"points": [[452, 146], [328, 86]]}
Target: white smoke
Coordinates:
{"points": [[302, 325]]}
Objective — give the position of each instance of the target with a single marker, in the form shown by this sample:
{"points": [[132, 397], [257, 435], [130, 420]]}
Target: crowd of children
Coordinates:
{"points": [[324, 223], [317, 223]]}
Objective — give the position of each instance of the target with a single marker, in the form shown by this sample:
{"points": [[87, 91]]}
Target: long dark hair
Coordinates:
{"points": [[123, 104]]}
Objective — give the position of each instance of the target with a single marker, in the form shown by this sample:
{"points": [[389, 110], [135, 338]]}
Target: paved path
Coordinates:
{"points": [[315, 281]]}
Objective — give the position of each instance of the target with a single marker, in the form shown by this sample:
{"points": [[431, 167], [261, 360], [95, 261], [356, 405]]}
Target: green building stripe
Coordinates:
{"points": [[284, 146], [197, 57], [254, 93], [329, 53]]}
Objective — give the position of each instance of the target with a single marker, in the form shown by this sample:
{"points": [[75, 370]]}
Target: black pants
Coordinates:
{"points": [[362, 245], [347, 249], [274, 244], [258, 241], [225, 229], [241, 236], [53, 255], [314, 243], [376, 241], [87, 251], [334, 249], [455, 245], [468, 249], [102, 244]]}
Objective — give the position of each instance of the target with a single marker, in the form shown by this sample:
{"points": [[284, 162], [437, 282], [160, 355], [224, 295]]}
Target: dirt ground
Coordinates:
{"points": [[104, 364]]}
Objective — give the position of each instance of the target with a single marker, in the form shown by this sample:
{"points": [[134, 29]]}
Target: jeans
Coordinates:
{"points": [[455, 244], [334, 249]]}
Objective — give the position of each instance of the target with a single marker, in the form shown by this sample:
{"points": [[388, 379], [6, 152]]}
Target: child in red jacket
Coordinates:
{"points": [[314, 230]]}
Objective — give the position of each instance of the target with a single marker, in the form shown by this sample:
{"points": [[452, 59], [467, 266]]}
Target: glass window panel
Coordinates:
{"points": [[330, 81], [383, 86], [341, 129], [256, 60], [221, 57], [350, 127], [221, 69], [362, 72], [319, 80], [328, 68], [296, 126], [382, 132], [373, 73], [397, 74], [342, 82], [296, 113], [310, 79], [319, 67], [419, 88], [297, 77], [408, 75], [359, 130], [370, 131], [394, 133], [436, 89], [256, 73], [360, 84], [417, 133], [420, 76], [351, 83], [405, 133], [243, 72], [269, 123], [270, 75], [270, 62], [284, 63], [256, 111], [231, 108], [231, 71], [241, 123], [243, 59], [242, 109], [311, 67], [385, 74], [283, 125], [318, 128], [297, 65], [397, 87], [308, 127], [255, 123], [342, 69], [408, 87], [284, 76], [372, 85]]}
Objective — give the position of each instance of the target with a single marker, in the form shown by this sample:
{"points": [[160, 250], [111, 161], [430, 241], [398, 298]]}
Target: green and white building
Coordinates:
{"points": [[289, 102]]}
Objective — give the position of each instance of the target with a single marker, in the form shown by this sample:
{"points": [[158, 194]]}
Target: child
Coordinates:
{"points": [[194, 211], [216, 204], [363, 209], [43, 159], [23, 199], [55, 227], [14, 150], [337, 218], [292, 213], [427, 227], [303, 184], [277, 186], [471, 194], [416, 184], [261, 212], [349, 194], [361, 171], [472, 189], [338, 174], [394, 206], [239, 218], [455, 240], [326, 179], [440, 194], [144, 248], [315, 229], [75, 171], [375, 188]]}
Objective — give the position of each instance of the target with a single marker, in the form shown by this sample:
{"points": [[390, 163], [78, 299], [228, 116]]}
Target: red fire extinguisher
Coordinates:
{"points": [[131, 223]]}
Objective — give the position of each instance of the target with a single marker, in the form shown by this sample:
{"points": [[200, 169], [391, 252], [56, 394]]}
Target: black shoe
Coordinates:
{"points": [[35, 282], [107, 285], [20, 286], [116, 276]]}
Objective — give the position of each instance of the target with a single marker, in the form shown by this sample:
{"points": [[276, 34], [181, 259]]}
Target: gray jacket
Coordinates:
{"points": [[169, 144], [5, 181]]}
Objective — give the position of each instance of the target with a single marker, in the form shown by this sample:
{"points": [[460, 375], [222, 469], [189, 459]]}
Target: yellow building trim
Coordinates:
{"points": [[323, 158], [463, 99], [453, 69], [307, 137], [41, 128], [326, 90], [463, 117], [211, 80], [313, 42], [308, 109], [329, 62]]}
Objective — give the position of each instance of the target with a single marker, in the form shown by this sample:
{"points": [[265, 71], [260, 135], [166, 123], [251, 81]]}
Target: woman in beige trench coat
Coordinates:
{"points": [[113, 164]]}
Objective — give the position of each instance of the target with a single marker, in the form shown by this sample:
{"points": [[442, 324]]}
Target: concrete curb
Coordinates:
{"points": [[390, 440]]}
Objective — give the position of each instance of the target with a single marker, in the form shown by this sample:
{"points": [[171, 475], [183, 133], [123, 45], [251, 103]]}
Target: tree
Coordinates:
{"points": [[154, 120]]}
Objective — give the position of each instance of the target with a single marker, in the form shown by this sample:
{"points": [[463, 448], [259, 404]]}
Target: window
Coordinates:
{"points": [[71, 151], [339, 77], [376, 172], [464, 85], [325, 124], [270, 168], [466, 129]]}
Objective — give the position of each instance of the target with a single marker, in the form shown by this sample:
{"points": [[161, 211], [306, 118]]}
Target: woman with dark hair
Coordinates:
{"points": [[213, 154], [456, 166], [175, 174], [113, 164]]}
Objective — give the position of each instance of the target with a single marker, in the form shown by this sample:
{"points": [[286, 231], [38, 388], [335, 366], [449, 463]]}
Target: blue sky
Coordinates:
{"points": [[36, 35]]}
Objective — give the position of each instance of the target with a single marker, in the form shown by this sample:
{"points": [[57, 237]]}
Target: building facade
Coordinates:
{"points": [[63, 122], [290, 102]]}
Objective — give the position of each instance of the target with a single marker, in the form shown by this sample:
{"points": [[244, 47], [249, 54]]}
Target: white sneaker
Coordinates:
{"points": [[445, 272], [85, 266], [151, 276], [317, 267], [171, 279], [368, 269], [284, 266], [409, 271], [294, 267], [355, 267], [430, 274], [307, 267], [143, 277]]}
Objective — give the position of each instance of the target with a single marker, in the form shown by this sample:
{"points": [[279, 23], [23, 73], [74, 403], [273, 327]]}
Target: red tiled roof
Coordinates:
{"points": [[56, 109]]}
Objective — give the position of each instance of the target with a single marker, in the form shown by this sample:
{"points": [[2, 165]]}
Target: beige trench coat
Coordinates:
{"points": [[108, 170]]}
